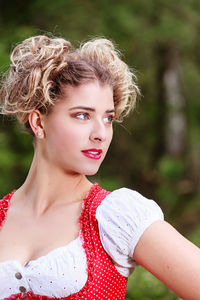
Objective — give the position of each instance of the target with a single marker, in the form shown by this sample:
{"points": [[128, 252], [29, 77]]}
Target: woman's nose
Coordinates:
{"points": [[98, 132]]}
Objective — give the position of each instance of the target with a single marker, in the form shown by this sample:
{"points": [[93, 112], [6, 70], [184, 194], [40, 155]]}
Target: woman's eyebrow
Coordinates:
{"points": [[83, 107], [110, 111], [91, 109]]}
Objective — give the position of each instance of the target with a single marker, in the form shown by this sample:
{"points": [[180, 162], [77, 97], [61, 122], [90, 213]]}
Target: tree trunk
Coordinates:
{"points": [[175, 126]]}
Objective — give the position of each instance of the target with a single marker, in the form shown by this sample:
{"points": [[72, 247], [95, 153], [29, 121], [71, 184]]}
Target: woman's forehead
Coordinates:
{"points": [[92, 94]]}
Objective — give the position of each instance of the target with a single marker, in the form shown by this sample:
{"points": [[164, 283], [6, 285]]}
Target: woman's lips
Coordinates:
{"points": [[92, 153]]}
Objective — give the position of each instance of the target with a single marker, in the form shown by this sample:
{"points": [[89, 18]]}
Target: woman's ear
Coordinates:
{"points": [[37, 123]]}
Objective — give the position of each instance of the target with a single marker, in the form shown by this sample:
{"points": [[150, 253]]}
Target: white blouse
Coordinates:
{"points": [[122, 218]]}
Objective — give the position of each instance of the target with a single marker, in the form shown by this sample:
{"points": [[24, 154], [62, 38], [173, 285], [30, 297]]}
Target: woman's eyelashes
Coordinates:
{"points": [[108, 119], [83, 116]]}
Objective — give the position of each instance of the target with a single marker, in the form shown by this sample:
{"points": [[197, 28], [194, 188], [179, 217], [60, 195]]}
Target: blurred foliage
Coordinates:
{"points": [[143, 285], [147, 33]]}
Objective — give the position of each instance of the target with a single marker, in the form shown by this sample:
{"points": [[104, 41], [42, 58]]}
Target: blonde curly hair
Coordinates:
{"points": [[41, 66]]}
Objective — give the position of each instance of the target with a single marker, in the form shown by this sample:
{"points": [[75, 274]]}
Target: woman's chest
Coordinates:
{"points": [[60, 273], [25, 238]]}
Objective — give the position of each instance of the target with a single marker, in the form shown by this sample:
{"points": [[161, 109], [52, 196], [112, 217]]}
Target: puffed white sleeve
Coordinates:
{"points": [[122, 218]]}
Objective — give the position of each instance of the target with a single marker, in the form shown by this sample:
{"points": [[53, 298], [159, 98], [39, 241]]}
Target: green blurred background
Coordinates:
{"points": [[157, 149]]}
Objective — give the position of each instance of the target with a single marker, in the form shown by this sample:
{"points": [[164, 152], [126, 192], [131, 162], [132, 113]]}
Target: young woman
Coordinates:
{"points": [[62, 236]]}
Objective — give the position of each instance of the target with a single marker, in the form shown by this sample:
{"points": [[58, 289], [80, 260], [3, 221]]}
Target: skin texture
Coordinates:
{"points": [[171, 258]]}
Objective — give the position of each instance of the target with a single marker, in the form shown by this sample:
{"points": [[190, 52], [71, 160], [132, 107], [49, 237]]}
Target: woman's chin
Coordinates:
{"points": [[91, 172]]}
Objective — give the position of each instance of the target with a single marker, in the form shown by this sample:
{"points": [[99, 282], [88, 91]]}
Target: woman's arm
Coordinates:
{"points": [[171, 258]]}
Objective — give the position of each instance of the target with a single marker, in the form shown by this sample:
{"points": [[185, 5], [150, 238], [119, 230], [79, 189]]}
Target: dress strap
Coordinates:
{"points": [[4, 205]]}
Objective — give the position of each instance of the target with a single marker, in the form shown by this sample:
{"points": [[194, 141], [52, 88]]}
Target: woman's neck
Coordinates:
{"points": [[47, 186]]}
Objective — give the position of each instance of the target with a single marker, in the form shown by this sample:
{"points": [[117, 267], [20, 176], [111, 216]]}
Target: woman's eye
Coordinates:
{"points": [[82, 116], [109, 119]]}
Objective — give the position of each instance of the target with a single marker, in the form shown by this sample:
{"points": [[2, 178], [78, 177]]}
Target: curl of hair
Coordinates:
{"points": [[41, 66], [125, 89]]}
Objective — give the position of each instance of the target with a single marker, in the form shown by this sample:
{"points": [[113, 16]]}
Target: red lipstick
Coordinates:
{"points": [[92, 153]]}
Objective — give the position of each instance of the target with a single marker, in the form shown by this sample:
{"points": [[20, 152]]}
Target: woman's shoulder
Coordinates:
{"points": [[122, 218], [126, 200], [129, 211]]}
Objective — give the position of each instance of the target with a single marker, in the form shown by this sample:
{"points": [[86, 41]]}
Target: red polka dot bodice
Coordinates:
{"points": [[104, 281]]}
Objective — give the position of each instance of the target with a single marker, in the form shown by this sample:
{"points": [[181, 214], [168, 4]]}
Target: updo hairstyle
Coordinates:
{"points": [[41, 66]]}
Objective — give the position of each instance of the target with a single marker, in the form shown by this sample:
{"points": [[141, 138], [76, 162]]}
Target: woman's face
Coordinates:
{"points": [[78, 131]]}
